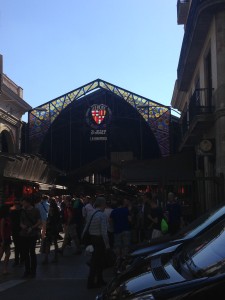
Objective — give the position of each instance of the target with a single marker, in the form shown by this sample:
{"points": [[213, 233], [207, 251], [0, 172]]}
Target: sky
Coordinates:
{"points": [[52, 47]]}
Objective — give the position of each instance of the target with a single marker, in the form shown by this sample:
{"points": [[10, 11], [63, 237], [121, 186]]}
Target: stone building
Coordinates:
{"points": [[12, 108], [20, 173], [199, 94]]}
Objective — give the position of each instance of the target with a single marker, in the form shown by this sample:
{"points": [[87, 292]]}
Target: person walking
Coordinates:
{"points": [[52, 231], [30, 221], [70, 227], [155, 216], [174, 213], [120, 218], [43, 207], [15, 213], [77, 205], [87, 208], [99, 241], [5, 237], [110, 229], [144, 223]]}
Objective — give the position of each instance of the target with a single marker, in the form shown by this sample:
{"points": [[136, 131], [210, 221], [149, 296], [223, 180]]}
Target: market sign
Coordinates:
{"points": [[98, 116]]}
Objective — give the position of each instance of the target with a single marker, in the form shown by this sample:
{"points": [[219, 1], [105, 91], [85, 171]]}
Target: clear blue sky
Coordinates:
{"points": [[51, 47]]}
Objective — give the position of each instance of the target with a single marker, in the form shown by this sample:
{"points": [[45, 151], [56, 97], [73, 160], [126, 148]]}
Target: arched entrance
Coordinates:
{"points": [[71, 142], [6, 140], [96, 120]]}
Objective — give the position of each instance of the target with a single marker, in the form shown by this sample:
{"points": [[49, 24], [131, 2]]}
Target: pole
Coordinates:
{"points": [[141, 139]]}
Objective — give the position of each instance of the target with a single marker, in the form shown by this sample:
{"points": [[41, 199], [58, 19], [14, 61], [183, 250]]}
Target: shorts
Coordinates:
{"points": [[122, 240]]}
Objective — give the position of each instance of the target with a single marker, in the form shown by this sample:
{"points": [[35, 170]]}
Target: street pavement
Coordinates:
{"points": [[64, 280]]}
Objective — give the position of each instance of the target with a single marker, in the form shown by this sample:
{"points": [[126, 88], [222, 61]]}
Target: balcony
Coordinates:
{"points": [[197, 118]]}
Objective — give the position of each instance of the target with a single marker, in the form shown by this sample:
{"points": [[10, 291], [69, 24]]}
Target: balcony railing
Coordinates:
{"points": [[199, 105]]}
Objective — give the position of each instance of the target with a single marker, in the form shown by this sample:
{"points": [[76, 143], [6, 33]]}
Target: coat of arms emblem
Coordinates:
{"points": [[98, 114]]}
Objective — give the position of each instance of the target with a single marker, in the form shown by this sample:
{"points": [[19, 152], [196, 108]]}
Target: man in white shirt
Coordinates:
{"points": [[87, 208], [99, 241]]}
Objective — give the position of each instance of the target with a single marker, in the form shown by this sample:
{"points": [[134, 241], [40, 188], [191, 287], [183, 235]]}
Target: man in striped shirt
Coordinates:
{"points": [[100, 242]]}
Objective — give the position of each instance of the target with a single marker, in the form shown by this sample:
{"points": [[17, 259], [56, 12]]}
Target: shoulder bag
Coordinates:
{"points": [[164, 226]]}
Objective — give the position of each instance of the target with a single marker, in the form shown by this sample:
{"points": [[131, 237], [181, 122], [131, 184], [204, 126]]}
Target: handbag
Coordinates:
{"points": [[164, 226], [86, 237]]}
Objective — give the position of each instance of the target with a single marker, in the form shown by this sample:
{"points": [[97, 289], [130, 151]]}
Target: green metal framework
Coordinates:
{"points": [[155, 114]]}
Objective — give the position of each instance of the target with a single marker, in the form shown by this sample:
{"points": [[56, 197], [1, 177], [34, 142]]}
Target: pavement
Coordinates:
{"points": [[66, 279]]}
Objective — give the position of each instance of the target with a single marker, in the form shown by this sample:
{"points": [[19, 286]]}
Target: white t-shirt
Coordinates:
{"points": [[86, 210]]}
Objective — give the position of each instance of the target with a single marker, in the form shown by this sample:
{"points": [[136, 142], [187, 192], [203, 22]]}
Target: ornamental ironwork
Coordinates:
{"points": [[156, 115]]}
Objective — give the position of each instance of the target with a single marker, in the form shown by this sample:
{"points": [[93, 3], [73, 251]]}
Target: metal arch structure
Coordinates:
{"points": [[156, 115]]}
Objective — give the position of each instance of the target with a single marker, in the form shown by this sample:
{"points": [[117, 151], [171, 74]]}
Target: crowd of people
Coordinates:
{"points": [[114, 222]]}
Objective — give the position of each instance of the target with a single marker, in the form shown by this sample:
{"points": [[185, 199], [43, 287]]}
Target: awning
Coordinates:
{"points": [[176, 168], [48, 187], [94, 167], [27, 167]]}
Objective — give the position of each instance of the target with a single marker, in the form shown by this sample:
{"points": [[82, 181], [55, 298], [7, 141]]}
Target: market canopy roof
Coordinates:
{"points": [[157, 116]]}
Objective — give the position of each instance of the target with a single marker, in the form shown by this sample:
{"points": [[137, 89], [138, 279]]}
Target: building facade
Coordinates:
{"points": [[20, 172], [12, 108], [92, 130], [199, 94]]}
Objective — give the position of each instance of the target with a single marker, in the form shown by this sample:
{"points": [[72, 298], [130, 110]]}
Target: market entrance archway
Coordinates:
{"points": [[96, 120]]}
